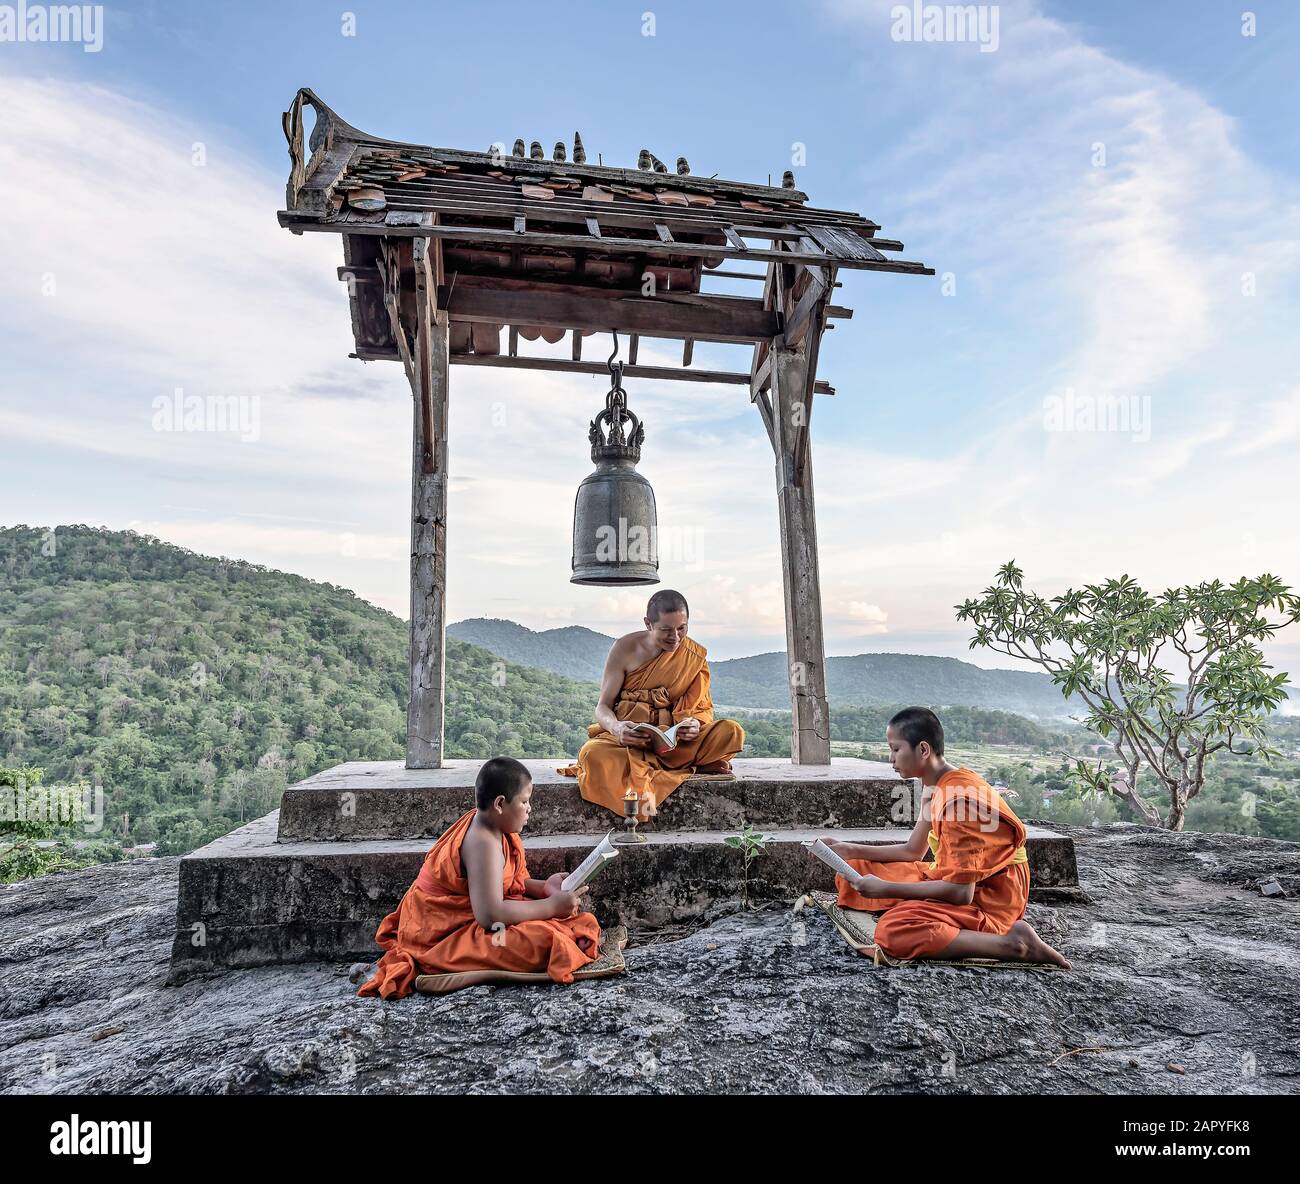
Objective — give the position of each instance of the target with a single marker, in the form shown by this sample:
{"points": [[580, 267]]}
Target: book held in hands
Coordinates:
{"points": [[590, 867], [833, 861], [665, 739]]}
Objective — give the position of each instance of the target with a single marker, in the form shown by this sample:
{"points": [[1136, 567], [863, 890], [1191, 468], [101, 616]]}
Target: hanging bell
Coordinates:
{"points": [[615, 527]]}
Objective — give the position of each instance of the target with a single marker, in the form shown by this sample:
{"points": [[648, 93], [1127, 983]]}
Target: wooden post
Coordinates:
{"points": [[810, 731], [424, 714]]}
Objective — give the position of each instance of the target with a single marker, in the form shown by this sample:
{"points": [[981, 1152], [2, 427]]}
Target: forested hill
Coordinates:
{"points": [[574, 651], [195, 689]]}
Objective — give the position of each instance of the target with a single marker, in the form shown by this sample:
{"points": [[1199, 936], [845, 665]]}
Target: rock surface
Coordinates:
{"points": [[1180, 964]]}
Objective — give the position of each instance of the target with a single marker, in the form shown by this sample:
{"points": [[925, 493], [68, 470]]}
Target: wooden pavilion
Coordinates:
{"points": [[444, 248]]}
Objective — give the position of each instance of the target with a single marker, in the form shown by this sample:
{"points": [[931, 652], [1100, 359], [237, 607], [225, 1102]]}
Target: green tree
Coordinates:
{"points": [[1106, 643]]}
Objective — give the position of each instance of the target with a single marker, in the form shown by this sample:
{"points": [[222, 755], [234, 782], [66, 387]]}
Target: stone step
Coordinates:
{"points": [[365, 800], [247, 899]]}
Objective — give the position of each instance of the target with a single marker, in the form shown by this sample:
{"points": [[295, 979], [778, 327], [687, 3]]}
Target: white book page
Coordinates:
{"points": [[832, 860], [587, 869]]}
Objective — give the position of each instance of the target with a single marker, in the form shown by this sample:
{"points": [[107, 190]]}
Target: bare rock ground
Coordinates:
{"points": [[1185, 981]]}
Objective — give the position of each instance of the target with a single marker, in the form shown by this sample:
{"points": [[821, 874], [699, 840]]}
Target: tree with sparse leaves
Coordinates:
{"points": [[1109, 644]]}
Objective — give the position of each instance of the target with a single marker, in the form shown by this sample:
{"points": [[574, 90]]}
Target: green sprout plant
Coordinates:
{"points": [[750, 844]]}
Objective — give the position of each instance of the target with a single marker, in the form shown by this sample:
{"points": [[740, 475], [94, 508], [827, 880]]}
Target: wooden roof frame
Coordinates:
{"points": [[468, 243], [469, 210]]}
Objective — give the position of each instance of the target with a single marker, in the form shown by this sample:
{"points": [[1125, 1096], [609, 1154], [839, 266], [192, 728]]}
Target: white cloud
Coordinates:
{"points": [[1116, 280]]}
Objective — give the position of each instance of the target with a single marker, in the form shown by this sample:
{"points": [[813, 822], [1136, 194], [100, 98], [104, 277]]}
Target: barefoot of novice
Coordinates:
{"points": [[1036, 949]]}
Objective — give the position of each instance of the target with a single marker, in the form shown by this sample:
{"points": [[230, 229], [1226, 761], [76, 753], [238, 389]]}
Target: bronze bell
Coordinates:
{"points": [[615, 527]]}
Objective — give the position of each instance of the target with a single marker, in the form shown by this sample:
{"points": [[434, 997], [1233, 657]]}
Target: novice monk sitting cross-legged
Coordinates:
{"points": [[473, 907], [968, 903]]}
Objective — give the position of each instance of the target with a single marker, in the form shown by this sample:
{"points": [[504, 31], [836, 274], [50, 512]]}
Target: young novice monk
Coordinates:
{"points": [[968, 903], [473, 907]]}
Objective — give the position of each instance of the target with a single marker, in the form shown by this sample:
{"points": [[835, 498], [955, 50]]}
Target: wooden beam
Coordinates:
{"points": [[425, 311], [494, 234], [808, 311], [425, 709], [563, 365], [688, 349], [633, 342], [760, 375], [763, 402], [577, 345], [801, 578], [389, 263], [706, 318]]}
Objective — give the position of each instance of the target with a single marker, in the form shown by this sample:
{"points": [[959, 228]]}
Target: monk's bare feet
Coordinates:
{"points": [[1032, 948]]}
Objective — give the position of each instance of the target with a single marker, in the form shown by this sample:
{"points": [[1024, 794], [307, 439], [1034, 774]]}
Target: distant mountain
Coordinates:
{"points": [[859, 681], [572, 651], [871, 679]]}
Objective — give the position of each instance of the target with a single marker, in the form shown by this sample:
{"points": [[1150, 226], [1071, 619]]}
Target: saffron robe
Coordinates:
{"points": [[433, 930], [975, 838], [670, 687]]}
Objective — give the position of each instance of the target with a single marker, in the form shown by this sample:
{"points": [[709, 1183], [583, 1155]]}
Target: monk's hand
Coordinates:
{"points": [[631, 739], [688, 728], [553, 883], [871, 886], [566, 904]]}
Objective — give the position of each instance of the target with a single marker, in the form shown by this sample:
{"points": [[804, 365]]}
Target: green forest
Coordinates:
{"points": [[194, 689]]}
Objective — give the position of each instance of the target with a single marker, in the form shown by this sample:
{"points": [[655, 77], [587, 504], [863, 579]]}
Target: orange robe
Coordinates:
{"points": [[976, 839], [433, 930], [668, 688]]}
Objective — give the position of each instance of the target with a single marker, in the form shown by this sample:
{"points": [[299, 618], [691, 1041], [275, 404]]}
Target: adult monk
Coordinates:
{"points": [[968, 903], [656, 675]]}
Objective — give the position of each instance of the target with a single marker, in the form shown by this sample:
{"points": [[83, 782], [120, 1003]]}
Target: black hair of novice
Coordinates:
{"points": [[915, 724], [502, 776], [666, 601]]}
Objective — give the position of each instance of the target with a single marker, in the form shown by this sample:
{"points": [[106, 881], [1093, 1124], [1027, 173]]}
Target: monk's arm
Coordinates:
{"points": [[697, 701], [610, 684], [485, 867], [943, 890], [918, 842]]}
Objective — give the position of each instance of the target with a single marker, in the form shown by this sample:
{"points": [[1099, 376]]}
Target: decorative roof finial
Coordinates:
{"points": [[643, 160], [518, 149], [579, 152], [535, 151], [683, 169], [787, 180], [561, 153]]}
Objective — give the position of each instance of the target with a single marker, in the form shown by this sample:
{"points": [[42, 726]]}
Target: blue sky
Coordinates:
{"points": [[1112, 193]]}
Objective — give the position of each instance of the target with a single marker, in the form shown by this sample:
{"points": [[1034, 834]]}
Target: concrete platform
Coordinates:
{"points": [[248, 899], [385, 800]]}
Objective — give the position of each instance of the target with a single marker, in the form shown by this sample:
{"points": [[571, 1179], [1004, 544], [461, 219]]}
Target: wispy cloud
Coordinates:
{"points": [[1104, 226]]}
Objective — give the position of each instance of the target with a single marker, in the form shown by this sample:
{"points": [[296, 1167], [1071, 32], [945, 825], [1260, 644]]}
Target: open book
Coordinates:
{"points": [[664, 740], [590, 867], [832, 860]]}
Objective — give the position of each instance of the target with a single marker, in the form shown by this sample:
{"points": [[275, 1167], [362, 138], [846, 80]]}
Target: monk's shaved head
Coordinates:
{"points": [[666, 601], [502, 776], [917, 724]]}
